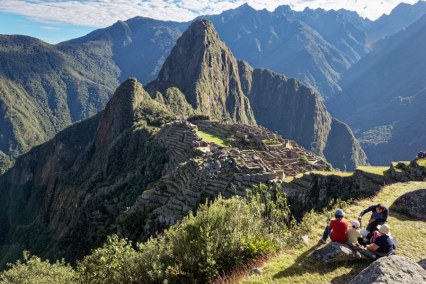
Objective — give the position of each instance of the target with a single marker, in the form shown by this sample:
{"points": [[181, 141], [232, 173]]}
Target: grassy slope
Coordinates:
{"points": [[294, 265]]}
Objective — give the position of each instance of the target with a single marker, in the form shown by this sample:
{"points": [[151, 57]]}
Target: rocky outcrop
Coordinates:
{"points": [[392, 269], [408, 171], [422, 263], [204, 69], [412, 204], [335, 252]]}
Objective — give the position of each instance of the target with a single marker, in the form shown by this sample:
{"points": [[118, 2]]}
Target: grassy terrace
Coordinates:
{"points": [[324, 173], [294, 264], [421, 162], [210, 138], [374, 170]]}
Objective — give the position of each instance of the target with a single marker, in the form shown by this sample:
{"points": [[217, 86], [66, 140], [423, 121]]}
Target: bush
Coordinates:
{"points": [[32, 270], [220, 236], [114, 262]]}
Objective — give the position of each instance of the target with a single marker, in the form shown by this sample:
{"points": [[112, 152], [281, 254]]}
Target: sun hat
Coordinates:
{"points": [[384, 229], [356, 224]]}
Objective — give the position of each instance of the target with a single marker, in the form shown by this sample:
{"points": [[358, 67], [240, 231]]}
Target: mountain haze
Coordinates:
{"points": [[384, 96]]}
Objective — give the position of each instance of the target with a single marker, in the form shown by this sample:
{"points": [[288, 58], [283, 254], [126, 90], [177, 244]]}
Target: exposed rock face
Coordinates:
{"points": [[343, 150], [315, 190], [204, 69], [392, 269], [334, 252], [297, 112], [412, 204]]}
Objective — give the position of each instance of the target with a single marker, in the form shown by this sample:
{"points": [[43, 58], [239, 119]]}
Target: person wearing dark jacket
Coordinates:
{"points": [[381, 246], [379, 216]]}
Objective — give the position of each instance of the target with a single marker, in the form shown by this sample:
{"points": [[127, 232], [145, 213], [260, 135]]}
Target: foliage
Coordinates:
{"points": [[154, 113], [198, 117], [222, 234], [114, 262], [32, 270]]}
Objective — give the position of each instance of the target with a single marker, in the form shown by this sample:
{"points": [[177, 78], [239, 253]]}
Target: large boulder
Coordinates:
{"points": [[412, 203], [335, 252], [391, 269], [422, 263]]}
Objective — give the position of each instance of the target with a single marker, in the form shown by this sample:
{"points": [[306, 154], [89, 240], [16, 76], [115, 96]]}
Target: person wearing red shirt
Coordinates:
{"points": [[336, 229]]}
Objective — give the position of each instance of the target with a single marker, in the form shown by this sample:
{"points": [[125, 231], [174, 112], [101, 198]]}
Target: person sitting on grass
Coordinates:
{"points": [[354, 233], [379, 216], [336, 229], [381, 246]]}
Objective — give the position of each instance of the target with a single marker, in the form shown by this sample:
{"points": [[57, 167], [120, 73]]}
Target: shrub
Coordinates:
{"points": [[32, 270], [114, 262], [220, 236]]}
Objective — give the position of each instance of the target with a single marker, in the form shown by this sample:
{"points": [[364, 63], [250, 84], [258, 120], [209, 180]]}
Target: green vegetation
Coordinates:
{"points": [[45, 88], [272, 143], [294, 264], [333, 173], [303, 159], [32, 270], [222, 235], [210, 138]]}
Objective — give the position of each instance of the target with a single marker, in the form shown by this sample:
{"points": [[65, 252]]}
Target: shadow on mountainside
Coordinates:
{"points": [[306, 264]]}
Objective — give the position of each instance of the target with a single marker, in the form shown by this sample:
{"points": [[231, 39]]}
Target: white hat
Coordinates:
{"points": [[356, 224], [384, 229]]}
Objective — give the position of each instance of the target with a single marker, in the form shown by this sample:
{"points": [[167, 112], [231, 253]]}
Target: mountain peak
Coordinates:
{"points": [[203, 68], [119, 114]]}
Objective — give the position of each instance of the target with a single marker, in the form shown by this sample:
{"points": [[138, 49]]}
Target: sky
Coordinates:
{"points": [[58, 20]]}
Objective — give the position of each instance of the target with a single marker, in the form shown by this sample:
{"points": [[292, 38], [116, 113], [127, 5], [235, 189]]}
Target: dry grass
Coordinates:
{"points": [[374, 170]]}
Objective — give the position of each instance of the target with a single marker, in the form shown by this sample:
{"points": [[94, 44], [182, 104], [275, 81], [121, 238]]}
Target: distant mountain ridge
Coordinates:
{"points": [[385, 94], [85, 71], [205, 71]]}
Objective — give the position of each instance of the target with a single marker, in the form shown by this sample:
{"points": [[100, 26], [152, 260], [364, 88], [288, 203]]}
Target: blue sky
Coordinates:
{"points": [[58, 20], [52, 33]]}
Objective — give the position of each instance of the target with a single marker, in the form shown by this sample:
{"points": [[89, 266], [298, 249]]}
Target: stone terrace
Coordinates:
{"points": [[198, 170]]}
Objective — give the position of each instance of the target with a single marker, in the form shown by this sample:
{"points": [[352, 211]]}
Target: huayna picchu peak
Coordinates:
{"points": [[216, 84], [203, 68]]}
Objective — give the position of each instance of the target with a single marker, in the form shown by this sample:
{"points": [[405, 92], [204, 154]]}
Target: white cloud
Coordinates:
{"points": [[50, 28], [101, 13]]}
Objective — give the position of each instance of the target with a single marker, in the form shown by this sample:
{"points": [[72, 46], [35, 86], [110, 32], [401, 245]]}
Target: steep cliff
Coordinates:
{"points": [[297, 112], [204, 69]]}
